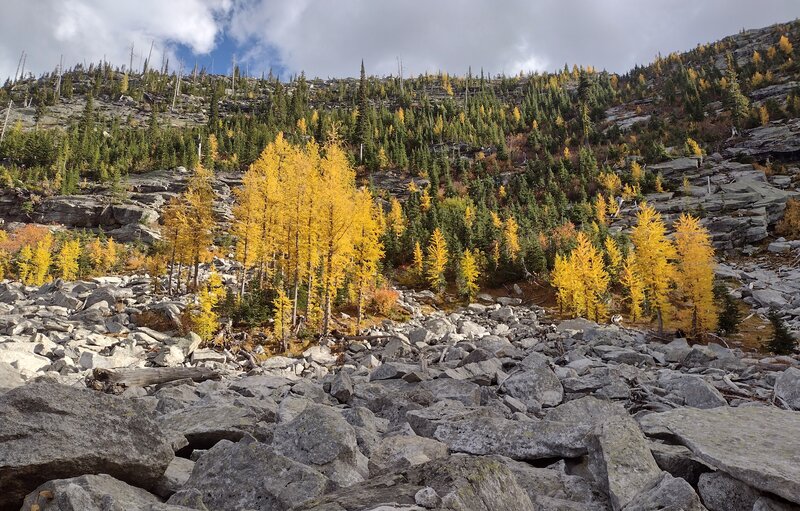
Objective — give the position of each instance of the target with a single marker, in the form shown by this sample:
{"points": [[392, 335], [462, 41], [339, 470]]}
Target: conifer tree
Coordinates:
{"points": [[67, 260], [781, 342], [437, 260], [737, 102], [205, 320], [282, 324], [614, 255], [511, 238], [468, 275], [632, 282], [25, 270], [695, 274], [654, 256], [41, 261], [418, 261]]}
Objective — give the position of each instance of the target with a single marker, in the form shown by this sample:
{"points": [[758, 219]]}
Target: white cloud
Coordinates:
{"points": [[90, 30], [330, 37]]}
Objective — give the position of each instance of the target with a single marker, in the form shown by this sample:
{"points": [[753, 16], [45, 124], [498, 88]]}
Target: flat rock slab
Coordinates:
{"points": [[757, 445], [50, 431]]}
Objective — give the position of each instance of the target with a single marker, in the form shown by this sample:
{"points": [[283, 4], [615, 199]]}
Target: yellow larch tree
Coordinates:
{"points": [[396, 220], [437, 260], [630, 280], [591, 277], [468, 275], [282, 320], [614, 255], [785, 45], [695, 275], [67, 261], [25, 265], [200, 223], [563, 279], [337, 214], [511, 238], [42, 259], [637, 173], [205, 321], [601, 209], [654, 256], [367, 249], [418, 261]]}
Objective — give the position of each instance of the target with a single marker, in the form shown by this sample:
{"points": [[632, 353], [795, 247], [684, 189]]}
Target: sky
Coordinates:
{"points": [[328, 38]]}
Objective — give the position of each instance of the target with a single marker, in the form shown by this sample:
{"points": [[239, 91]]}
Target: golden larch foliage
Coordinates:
{"points": [[695, 275], [511, 238], [282, 323], [469, 273], [437, 257], [630, 280], [67, 261], [785, 45], [614, 255], [637, 173], [601, 209], [654, 256]]}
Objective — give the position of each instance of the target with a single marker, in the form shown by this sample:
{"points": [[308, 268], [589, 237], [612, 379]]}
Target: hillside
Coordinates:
{"points": [[558, 291]]}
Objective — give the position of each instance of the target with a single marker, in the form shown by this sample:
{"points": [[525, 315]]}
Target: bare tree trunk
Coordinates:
{"points": [[116, 380], [5, 122]]}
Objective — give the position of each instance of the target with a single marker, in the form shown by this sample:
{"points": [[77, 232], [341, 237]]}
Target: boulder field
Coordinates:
{"points": [[492, 407]]}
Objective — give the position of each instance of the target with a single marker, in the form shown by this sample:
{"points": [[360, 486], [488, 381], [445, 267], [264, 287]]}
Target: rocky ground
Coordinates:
{"points": [[492, 407]]}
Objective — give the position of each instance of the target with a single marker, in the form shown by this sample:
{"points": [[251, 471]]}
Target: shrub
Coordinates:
{"points": [[789, 226], [384, 300]]}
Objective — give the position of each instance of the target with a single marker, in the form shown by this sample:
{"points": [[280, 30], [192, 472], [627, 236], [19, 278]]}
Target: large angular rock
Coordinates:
{"points": [[50, 431], [519, 440], [320, 438], [217, 417], [90, 493], [620, 460], [552, 488], [9, 378], [402, 451], [692, 390], [787, 387], [468, 482], [342, 387], [757, 445], [250, 475], [539, 385], [721, 492], [666, 493]]}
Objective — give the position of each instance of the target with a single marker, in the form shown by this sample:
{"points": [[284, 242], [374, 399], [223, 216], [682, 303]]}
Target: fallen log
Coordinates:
{"points": [[115, 381]]}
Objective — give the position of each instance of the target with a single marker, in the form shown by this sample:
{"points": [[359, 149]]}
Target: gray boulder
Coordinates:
{"points": [[692, 390], [403, 451], [787, 387], [51, 431], [468, 482], [342, 386], [174, 478], [9, 378], [759, 446], [722, 492], [321, 438], [620, 460], [666, 493], [250, 475], [538, 384], [218, 416], [91, 493]]}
